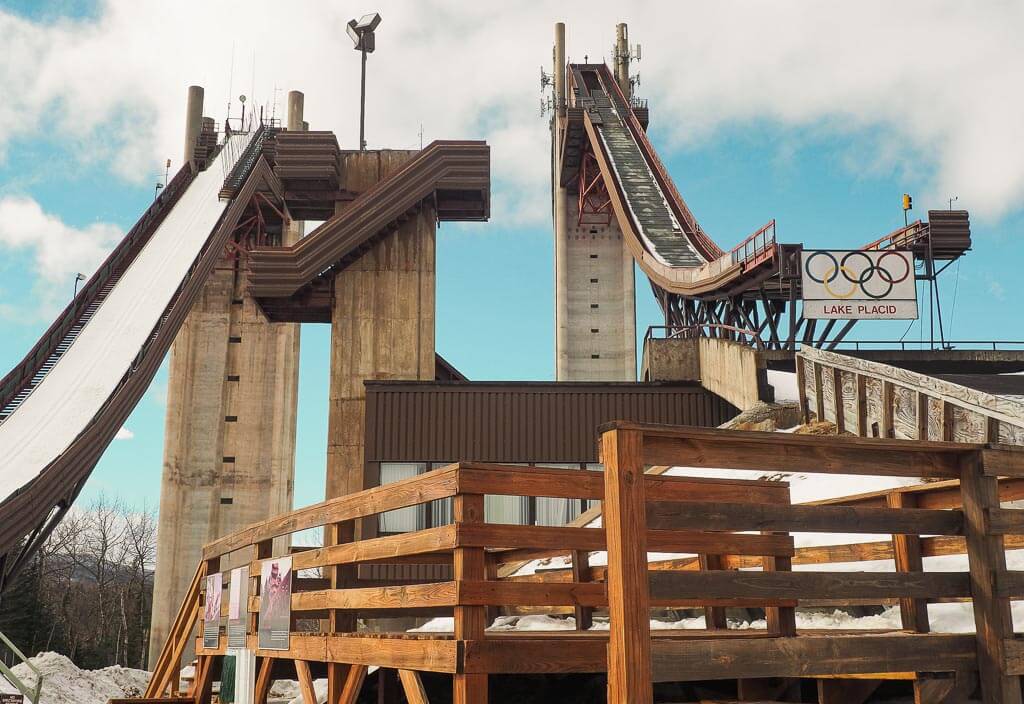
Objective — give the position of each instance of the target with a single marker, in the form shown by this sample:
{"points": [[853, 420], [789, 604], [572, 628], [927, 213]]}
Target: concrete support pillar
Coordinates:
{"points": [[229, 448], [296, 103], [595, 313], [622, 58], [559, 68], [193, 120], [382, 321]]}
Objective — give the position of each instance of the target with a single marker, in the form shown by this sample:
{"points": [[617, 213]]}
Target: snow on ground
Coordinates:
{"points": [[65, 683]]}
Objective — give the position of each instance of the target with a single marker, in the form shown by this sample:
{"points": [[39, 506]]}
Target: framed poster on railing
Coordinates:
{"points": [[238, 607], [211, 612], [275, 603]]}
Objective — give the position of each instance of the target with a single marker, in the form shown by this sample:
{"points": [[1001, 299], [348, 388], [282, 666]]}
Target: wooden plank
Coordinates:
{"points": [[353, 684], [438, 484], [819, 396], [529, 481], [987, 559], [846, 691], [888, 429], [411, 596], [907, 554], [665, 586], [420, 542], [1005, 521], [337, 536], [423, 655], [741, 491], [305, 682], [934, 689], [743, 449], [862, 405], [536, 655], [629, 638], [801, 387], [837, 399], [1003, 461], [810, 656], [263, 680], [825, 519], [413, 687]]}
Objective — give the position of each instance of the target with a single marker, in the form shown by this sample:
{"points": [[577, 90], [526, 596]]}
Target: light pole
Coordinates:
{"points": [[362, 33], [78, 277]]}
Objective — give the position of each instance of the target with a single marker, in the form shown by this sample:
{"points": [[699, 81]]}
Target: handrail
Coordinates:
{"points": [[33, 695], [901, 237], [755, 245], [690, 332], [710, 250], [121, 256]]}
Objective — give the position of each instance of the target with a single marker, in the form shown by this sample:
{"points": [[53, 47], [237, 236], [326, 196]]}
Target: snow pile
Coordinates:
{"points": [[65, 683], [287, 692]]}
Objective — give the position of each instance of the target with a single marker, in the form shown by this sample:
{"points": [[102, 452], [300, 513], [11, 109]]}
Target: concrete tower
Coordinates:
{"points": [[595, 316], [229, 448]]}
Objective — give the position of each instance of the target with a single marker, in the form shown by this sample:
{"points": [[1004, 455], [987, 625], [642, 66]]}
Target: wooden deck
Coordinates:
{"points": [[699, 518]]}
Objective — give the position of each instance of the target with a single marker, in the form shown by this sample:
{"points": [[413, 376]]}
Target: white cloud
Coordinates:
{"points": [[124, 434], [933, 77], [58, 251]]}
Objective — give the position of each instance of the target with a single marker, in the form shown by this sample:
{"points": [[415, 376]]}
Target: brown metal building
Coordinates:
{"points": [[415, 426]]}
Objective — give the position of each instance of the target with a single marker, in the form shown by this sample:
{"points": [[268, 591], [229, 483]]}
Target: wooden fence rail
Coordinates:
{"points": [[734, 549]]}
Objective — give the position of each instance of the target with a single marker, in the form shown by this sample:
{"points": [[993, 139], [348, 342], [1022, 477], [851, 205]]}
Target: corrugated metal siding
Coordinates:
{"points": [[519, 422]]}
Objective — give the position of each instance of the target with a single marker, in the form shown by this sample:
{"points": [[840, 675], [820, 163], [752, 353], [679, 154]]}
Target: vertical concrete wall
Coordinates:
{"points": [[382, 324], [733, 371], [229, 447], [595, 313], [193, 120]]}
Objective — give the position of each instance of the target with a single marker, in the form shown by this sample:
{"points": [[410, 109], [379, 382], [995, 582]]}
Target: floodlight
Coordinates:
{"points": [[363, 37]]}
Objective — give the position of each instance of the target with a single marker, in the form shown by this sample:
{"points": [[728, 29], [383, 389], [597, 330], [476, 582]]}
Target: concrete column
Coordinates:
{"points": [[595, 313], [382, 321], [296, 103], [559, 68], [229, 447], [193, 120], [559, 212], [622, 58]]}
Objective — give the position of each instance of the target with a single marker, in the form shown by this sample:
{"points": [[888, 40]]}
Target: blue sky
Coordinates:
{"points": [[829, 175]]}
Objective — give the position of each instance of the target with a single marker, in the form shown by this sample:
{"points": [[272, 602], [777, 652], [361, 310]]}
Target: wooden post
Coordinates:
{"points": [[837, 399], [862, 405], [907, 552], [948, 421], [819, 398], [264, 680], [581, 573], [714, 616], [470, 621], [305, 682], [987, 559], [413, 686], [801, 387], [625, 521], [922, 415], [342, 576], [353, 684], [888, 409]]}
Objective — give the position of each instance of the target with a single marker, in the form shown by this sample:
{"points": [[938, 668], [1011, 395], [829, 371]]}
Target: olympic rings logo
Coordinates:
{"points": [[856, 271]]}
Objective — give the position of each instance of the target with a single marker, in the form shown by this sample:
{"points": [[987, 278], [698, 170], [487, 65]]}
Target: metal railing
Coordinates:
{"points": [[993, 345], [718, 331], [31, 694], [756, 245]]}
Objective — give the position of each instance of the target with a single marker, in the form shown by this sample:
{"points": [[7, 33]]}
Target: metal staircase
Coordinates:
{"points": [[643, 195]]}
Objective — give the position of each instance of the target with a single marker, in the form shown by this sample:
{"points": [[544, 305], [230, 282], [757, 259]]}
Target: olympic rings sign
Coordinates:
{"points": [[857, 284]]}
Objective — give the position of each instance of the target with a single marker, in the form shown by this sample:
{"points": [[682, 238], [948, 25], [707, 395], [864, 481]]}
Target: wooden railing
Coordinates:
{"points": [[872, 399], [718, 525]]}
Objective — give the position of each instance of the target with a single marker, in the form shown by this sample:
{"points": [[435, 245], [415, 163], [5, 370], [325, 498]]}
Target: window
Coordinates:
{"points": [[595, 356], [233, 377], [593, 281], [594, 305], [226, 501], [593, 467], [407, 519], [594, 330], [235, 339], [230, 419], [556, 512]]}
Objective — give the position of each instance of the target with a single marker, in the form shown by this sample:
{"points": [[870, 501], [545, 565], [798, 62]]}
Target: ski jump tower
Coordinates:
{"points": [[595, 312]]}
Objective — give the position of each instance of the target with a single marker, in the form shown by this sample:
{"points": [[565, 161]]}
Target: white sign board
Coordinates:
{"points": [[858, 284]]}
